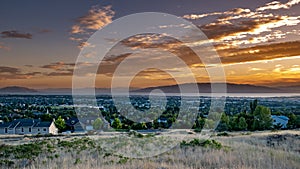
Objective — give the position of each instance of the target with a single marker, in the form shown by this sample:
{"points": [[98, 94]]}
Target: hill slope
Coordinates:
{"points": [[17, 89]]}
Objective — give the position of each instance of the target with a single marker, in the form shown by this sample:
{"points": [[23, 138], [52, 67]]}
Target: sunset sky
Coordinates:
{"points": [[258, 41]]}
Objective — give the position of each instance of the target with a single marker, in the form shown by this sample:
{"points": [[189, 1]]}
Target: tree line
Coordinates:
{"points": [[258, 118]]}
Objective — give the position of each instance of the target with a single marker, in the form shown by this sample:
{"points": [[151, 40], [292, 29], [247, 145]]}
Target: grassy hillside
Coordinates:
{"points": [[223, 150]]}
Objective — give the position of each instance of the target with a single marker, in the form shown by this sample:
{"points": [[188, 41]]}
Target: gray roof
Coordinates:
{"points": [[12, 124], [25, 123], [4, 125], [43, 124], [29, 124]]}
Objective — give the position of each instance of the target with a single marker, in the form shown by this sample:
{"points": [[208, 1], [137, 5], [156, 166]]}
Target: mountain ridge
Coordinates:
{"points": [[17, 89], [189, 88]]}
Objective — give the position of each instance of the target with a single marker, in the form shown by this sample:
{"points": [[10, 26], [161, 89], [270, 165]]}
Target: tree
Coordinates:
{"points": [[139, 126], [60, 124], [242, 125], [224, 123], [248, 117], [292, 123], [277, 126], [262, 118], [253, 106], [5, 119], [117, 124], [233, 123], [98, 124], [209, 124], [199, 123], [46, 117]]}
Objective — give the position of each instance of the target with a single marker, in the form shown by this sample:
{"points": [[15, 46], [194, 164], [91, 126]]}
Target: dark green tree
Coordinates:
{"points": [[46, 117], [242, 125], [5, 119], [292, 123], [233, 123], [199, 123], [224, 123], [262, 118], [253, 106], [139, 126]]}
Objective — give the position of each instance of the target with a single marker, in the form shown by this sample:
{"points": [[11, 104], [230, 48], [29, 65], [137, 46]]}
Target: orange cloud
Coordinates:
{"points": [[241, 26], [96, 18]]}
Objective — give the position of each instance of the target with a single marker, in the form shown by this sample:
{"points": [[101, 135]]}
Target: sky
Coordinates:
{"points": [[258, 42]]}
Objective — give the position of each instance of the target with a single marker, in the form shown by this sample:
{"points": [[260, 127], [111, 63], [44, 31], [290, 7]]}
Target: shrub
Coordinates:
{"points": [[202, 143], [223, 134]]}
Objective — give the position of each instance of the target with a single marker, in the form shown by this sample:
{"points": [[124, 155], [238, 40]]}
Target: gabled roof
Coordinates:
{"points": [[72, 121], [28, 124], [5, 125], [25, 123], [27, 120], [43, 124], [13, 124]]}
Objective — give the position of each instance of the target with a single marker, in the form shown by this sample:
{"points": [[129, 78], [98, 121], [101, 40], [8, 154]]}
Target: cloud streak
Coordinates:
{"points": [[278, 5], [59, 69], [58, 66], [240, 27], [96, 18], [7, 72], [15, 34]]}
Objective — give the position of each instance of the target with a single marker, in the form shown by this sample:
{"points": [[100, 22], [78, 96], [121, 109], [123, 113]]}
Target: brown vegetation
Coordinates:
{"points": [[238, 150]]}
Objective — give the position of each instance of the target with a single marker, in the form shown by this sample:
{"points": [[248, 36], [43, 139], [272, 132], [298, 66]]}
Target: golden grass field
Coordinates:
{"points": [[240, 150]]}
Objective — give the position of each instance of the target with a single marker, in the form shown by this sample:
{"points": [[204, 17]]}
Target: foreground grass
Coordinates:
{"points": [[263, 150]]}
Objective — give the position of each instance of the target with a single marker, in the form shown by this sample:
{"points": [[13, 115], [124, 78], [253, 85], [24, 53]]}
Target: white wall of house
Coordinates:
{"points": [[24, 130], [53, 129], [11, 131], [46, 130], [41, 130], [2, 131]]}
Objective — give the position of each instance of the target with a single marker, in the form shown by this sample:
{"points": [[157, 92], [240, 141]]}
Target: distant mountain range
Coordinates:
{"points": [[188, 88], [218, 87], [17, 89]]}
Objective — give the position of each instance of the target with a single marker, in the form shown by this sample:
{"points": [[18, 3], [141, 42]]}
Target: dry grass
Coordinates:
{"points": [[239, 151]]}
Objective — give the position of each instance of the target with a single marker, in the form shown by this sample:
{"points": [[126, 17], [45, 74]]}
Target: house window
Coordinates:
{"points": [[38, 129], [22, 129], [29, 130], [5, 130], [45, 129]]}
